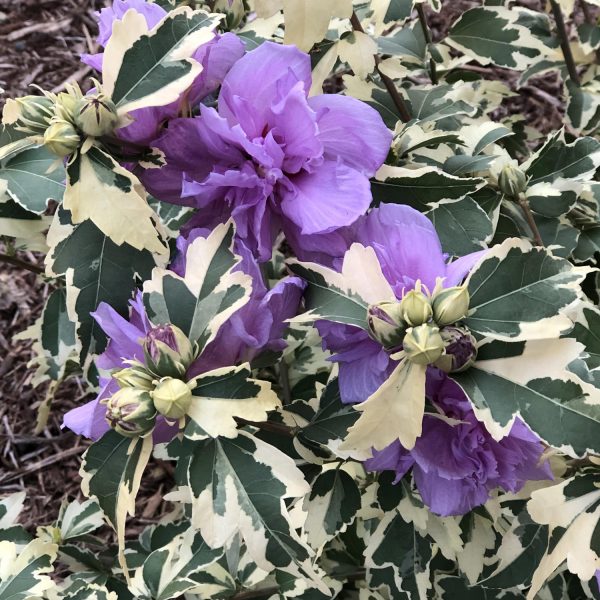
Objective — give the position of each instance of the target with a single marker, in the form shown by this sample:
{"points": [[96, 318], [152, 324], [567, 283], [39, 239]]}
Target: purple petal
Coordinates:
{"points": [[332, 196], [87, 420], [353, 131], [262, 77], [393, 458], [457, 270], [152, 12]]}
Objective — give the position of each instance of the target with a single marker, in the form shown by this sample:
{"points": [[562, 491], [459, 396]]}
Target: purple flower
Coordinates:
{"points": [[257, 326], [456, 466], [270, 156], [216, 58], [407, 248]]}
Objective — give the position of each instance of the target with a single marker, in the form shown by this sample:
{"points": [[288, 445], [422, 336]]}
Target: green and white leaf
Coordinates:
{"points": [[78, 518], [152, 68], [520, 292], [209, 293]]}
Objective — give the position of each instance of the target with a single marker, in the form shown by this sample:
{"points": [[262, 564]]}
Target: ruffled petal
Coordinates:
{"points": [[332, 196], [352, 131]]}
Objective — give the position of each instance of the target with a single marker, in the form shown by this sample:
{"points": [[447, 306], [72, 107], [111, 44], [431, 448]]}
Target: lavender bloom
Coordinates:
{"points": [[216, 58], [408, 248], [270, 156], [258, 325], [456, 467]]}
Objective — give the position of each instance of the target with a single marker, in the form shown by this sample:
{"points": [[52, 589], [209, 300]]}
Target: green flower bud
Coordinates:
{"points": [[136, 377], [31, 114], [450, 305], [415, 306], [460, 352], [423, 344], [66, 106], [385, 323], [172, 397], [96, 115], [512, 181], [131, 412], [168, 351], [61, 138]]}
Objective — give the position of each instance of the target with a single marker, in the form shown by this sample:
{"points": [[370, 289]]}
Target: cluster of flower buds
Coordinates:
{"points": [[61, 120], [155, 387], [418, 324]]}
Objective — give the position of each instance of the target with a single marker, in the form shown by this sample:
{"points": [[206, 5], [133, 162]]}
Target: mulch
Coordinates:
{"points": [[40, 43]]}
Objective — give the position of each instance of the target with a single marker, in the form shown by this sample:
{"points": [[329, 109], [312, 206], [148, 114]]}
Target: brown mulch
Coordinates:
{"points": [[40, 42]]}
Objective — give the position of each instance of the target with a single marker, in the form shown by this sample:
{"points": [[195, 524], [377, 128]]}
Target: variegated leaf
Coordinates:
{"points": [[78, 518], [151, 68], [209, 293]]}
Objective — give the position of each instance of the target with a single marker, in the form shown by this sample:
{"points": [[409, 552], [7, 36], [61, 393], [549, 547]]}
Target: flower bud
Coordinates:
{"points": [[385, 323], [423, 344], [131, 412], [450, 305], [66, 106], [172, 397], [512, 181], [460, 352], [135, 377], [168, 351], [415, 306], [96, 115], [31, 114], [61, 138]]}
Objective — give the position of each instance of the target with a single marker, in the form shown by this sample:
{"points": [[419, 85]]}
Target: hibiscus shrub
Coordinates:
{"points": [[360, 326]]}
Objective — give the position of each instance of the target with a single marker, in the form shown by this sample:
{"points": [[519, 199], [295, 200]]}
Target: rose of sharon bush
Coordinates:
{"points": [[271, 157], [456, 466]]}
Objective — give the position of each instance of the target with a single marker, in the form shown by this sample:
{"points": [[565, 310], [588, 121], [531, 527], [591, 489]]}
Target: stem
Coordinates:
{"points": [[530, 220], [284, 380], [279, 428], [17, 262], [427, 34], [389, 84], [564, 42]]}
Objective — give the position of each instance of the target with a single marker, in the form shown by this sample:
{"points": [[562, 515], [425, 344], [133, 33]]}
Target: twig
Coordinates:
{"points": [[17, 262], [389, 84], [564, 42], [530, 220], [427, 34]]}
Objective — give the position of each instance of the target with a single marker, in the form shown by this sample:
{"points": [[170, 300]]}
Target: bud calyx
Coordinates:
{"points": [[450, 305], [172, 397], [460, 350], [131, 412], [423, 344], [512, 181]]}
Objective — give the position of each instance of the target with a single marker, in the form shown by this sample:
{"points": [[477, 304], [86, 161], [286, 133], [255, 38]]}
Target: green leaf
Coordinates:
{"points": [[492, 35], [33, 178], [155, 68], [408, 42], [79, 518], [462, 226], [111, 473], [239, 486], [518, 292], [531, 381], [332, 505], [22, 573], [98, 271], [588, 243], [209, 293], [422, 188]]}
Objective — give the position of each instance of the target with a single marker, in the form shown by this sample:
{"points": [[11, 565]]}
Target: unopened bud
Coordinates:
{"points": [[168, 351], [450, 305], [512, 181], [66, 106], [131, 412], [460, 352], [172, 398], [415, 306], [423, 344], [61, 138], [135, 377], [385, 323], [96, 115], [29, 113]]}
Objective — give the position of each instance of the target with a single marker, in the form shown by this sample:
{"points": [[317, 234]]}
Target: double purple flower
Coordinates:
{"points": [[271, 157], [455, 466]]}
